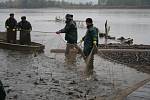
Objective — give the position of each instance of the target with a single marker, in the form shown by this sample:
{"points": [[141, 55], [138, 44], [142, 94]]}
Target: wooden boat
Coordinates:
{"points": [[34, 47]]}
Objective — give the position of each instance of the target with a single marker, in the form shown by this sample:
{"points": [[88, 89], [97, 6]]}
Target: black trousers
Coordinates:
{"points": [[11, 36], [25, 37]]}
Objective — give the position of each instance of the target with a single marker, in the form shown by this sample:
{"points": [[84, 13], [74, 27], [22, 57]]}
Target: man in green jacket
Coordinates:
{"points": [[70, 31], [90, 41]]}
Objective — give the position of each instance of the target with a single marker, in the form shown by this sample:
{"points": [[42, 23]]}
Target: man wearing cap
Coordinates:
{"points": [[25, 28], [70, 31], [11, 26], [90, 41]]}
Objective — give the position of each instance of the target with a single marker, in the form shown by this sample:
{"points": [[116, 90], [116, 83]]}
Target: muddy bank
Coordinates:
{"points": [[135, 56], [138, 60], [26, 77]]}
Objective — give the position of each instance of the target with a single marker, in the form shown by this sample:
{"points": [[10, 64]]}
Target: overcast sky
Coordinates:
{"points": [[83, 1], [74, 1]]}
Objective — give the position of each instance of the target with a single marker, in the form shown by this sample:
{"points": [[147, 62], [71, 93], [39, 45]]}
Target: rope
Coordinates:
{"points": [[43, 32], [36, 31]]}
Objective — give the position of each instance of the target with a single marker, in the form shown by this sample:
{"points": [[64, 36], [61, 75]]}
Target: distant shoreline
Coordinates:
{"points": [[107, 7], [87, 7]]}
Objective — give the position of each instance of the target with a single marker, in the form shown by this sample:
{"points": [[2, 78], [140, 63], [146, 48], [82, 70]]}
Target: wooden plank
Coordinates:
{"points": [[57, 50], [124, 50], [107, 50]]}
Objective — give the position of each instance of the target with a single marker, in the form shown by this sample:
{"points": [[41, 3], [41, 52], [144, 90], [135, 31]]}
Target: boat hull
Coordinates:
{"points": [[34, 47]]}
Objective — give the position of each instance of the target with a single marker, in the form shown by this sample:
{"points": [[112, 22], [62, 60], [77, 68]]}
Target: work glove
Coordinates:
{"points": [[57, 32], [7, 27], [81, 40], [95, 46], [94, 43], [13, 29]]}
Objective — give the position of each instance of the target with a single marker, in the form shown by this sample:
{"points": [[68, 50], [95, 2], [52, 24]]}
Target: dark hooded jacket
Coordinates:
{"points": [[91, 35], [25, 28], [11, 23], [70, 31]]}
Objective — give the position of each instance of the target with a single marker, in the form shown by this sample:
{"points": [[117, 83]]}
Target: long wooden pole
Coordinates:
{"points": [[106, 32]]}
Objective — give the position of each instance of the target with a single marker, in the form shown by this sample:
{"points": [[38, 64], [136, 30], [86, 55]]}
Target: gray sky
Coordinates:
{"points": [[82, 1], [2, 0], [74, 1]]}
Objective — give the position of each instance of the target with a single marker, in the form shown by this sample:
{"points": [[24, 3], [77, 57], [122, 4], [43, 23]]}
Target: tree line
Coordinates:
{"points": [[128, 3], [31, 4], [38, 4], [63, 4]]}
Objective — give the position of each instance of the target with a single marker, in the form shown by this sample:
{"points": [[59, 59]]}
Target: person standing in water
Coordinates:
{"points": [[90, 42], [70, 31]]}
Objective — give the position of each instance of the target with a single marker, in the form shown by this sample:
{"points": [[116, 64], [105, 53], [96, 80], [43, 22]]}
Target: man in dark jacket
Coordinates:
{"points": [[70, 31], [25, 28], [11, 25], [90, 40], [2, 92]]}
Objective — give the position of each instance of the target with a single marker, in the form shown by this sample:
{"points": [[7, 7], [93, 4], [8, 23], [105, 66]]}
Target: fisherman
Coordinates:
{"points": [[11, 26], [25, 28], [90, 42], [2, 92], [70, 31]]}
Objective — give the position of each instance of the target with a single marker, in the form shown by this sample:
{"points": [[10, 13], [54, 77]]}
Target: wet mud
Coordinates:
{"points": [[134, 56], [43, 77]]}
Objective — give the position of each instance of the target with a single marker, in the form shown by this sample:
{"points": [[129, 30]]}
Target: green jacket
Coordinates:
{"points": [[89, 38], [70, 31]]}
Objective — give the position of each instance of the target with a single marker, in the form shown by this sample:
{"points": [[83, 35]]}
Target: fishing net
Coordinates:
{"points": [[111, 73]]}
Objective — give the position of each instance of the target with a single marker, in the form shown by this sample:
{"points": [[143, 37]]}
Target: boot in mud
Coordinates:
{"points": [[89, 68], [70, 54]]}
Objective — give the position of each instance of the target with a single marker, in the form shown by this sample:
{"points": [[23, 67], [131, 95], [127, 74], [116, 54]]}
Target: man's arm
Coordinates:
{"points": [[65, 29], [95, 40], [30, 26], [6, 24]]}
